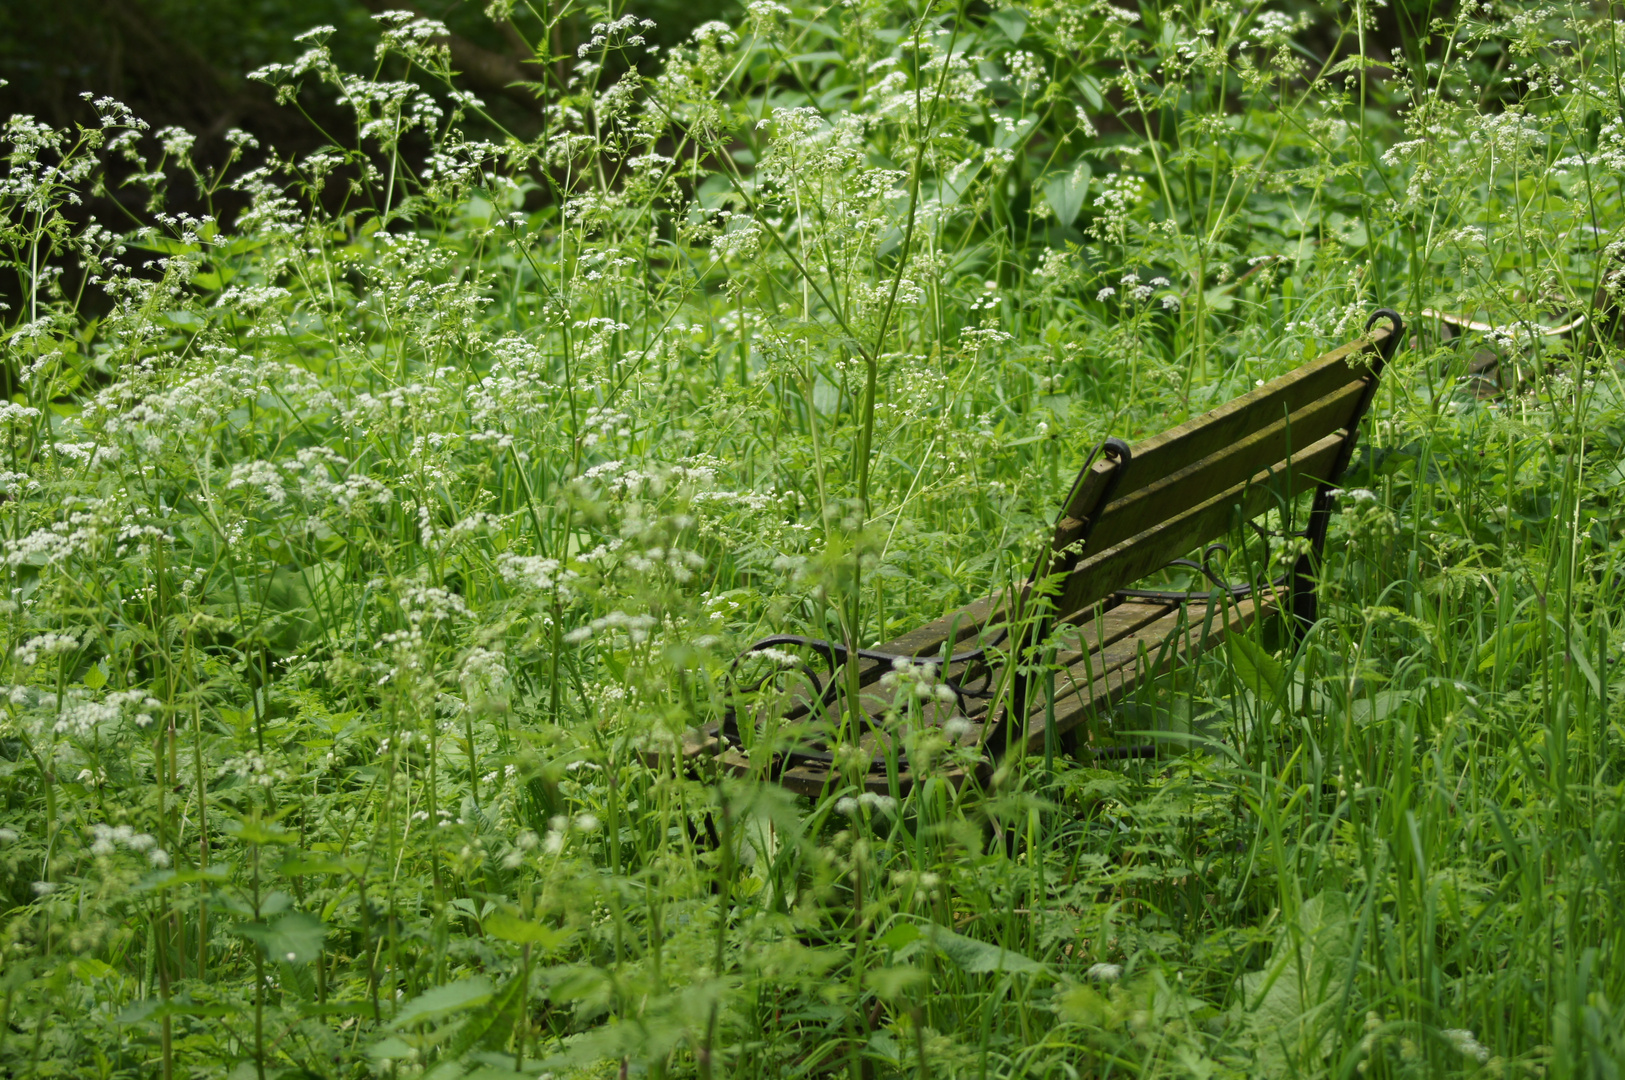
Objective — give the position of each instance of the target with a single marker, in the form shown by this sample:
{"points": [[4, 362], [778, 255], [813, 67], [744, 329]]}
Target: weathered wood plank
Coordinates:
{"points": [[1106, 677], [963, 623], [1226, 467], [1148, 551], [1092, 481], [1181, 446]]}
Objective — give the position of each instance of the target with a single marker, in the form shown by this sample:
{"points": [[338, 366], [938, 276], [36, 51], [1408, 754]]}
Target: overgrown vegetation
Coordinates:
{"points": [[365, 548]]}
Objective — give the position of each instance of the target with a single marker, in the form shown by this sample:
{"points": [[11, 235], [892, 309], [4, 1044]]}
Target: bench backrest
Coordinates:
{"points": [[1134, 510]]}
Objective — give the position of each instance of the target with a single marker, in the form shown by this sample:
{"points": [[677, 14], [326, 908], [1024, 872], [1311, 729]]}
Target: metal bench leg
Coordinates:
{"points": [[1304, 599]]}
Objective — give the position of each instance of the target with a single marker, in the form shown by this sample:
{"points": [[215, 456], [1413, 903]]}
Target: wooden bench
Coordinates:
{"points": [[1132, 513]]}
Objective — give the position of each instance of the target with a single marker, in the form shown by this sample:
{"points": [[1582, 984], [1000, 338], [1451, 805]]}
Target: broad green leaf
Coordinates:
{"points": [[512, 928], [295, 938], [255, 831], [1007, 138], [1512, 639], [978, 956], [169, 879], [1292, 1006], [1590, 673], [898, 936], [1379, 706], [1258, 671], [336, 1008], [1066, 192], [156, 1009], [1089, 87], [443, 1001], [390, 1048], [883, 1045], [955, 182], [491, 1026], [302, 867], [1013, 21]]}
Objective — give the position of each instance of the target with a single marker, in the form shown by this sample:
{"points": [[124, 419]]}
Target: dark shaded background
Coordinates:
{"points": [[184, 62]]}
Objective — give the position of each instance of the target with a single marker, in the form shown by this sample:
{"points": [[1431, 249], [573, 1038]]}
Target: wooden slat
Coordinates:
{"points": [[1086, 688], [964, 623], [1200, 436], [1087, 488], [1105, 629], [1225, 467], [1148, 551], [804, 780]]}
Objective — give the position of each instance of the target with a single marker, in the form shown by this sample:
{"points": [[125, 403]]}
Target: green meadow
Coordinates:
{"points": [[379, 514]]}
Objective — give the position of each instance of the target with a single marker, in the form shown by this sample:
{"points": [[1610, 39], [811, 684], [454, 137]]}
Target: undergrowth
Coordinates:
{"points": [[366, 548]]}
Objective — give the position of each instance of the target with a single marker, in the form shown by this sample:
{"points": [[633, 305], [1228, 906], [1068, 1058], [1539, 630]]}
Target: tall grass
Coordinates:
{"points": [[365, 548]]}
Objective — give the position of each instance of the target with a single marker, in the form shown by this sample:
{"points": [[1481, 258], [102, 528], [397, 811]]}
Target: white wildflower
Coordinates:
{"points": [[1466, 1044]]}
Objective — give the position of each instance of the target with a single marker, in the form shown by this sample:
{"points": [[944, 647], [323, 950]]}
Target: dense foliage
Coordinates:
{"points": [[367, 550]]}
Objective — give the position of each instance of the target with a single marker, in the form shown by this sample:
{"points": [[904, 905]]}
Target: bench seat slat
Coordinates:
{"points": [[1105, 629], [963, 623], [925, 642], [1110, 626], [1090, 685]]}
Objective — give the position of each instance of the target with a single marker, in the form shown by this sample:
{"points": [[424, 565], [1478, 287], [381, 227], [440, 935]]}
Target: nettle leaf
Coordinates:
{"points": [[390, 1049], [170, 879], [523, 931], [302, 867], [148, 1009], [295, 938], [443, 1001], [257, 831], [491, 1026]]}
